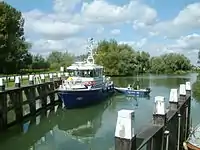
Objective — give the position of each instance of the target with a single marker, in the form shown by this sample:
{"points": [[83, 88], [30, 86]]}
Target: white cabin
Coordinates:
{"points": [[84, 75]]}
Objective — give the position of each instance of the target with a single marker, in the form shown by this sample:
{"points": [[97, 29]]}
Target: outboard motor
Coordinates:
{"points": [[148, 89]]}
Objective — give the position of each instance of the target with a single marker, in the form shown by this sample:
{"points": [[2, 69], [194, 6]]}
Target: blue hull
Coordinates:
{"points": [[76, 99]]}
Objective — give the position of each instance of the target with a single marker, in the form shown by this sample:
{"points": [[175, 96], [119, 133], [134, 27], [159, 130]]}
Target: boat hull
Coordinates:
{"points": [[192, 147], [76, 99], [132, 92]]}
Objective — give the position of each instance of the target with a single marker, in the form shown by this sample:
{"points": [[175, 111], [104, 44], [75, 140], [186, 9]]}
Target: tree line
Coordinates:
{"points": [[117, 59], [123, 60]]}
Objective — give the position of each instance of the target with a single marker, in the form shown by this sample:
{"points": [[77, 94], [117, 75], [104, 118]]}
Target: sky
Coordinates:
{"points": [[154, 26]]}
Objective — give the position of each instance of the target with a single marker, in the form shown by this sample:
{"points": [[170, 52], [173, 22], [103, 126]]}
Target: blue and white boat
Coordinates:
{"points": [[133, 92], [86, 83]]}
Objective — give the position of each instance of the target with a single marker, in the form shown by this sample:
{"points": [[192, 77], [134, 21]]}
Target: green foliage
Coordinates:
{"points": [[170, 63], [13, 48], [39, 62], [57, 59], [123, 60], [196, 89]]}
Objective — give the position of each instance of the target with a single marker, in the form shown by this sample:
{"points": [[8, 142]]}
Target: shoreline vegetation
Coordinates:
{"points": [[117, 59]]}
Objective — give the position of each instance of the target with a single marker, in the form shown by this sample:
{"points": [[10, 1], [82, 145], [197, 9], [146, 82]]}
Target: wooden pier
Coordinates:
{"points": [[21, 101], [168, 130]]}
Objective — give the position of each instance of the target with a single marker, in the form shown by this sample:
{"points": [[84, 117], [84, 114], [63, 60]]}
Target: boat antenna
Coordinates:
{"points": [[90, 58]]}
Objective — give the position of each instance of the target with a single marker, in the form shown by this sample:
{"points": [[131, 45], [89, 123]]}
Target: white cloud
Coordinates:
{"points": [[100, 30], [135, 44], [115, 31], [189, 43], [72, 45], [100, 11], [62, 6], [53, 30], [50, 26], [187, 21]]}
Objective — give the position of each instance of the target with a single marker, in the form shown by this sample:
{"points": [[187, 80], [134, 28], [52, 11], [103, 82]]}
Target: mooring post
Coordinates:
{"points": [[159, 115], [173, 99], [159, 118], [124, 132], [59, 76], [183, 108], [32, 94], [31, 79], [17, 81], [42, 78], [2, 84], [182, 94], [18, 100], [51, 77], [188, 96]]}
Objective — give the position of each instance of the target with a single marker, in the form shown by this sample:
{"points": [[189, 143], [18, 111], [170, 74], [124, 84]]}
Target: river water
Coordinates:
{"points": [[92, 128]]}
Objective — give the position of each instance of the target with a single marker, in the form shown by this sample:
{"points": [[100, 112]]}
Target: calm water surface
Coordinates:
{"points": [[93, 127]]}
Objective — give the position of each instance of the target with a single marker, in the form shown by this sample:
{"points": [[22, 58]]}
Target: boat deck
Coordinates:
{"points": [[194, 138]]}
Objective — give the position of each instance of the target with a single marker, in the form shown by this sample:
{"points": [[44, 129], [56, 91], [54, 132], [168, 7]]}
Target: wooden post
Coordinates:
{"points": [[2, 85], [31, 79], [42, 78], [173, 99], [59, 76], [183, 108], [17, 81], [159, 118], [17, 99], [188, 96], [159, 115], [124, 132], [182, 94], [51, 77]]}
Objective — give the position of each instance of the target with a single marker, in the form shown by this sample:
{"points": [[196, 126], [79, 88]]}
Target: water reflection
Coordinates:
{"points": [[93, 127], [58, 127], [124, 81], [196, 89]]}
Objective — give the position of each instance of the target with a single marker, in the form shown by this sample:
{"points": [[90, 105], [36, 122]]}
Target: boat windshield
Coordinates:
{"points": [[86, 73]]}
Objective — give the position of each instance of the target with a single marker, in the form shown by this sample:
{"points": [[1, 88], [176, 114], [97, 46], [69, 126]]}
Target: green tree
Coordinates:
{"points": [[121, 59], [39, 62], [13, 47], [57, 59], [170, 63]]}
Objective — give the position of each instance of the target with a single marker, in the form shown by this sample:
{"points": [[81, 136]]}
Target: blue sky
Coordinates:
{"points": [[155, 26]]}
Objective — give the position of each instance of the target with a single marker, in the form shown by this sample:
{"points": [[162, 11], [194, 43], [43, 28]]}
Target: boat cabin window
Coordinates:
{"points": [[86, 73]]}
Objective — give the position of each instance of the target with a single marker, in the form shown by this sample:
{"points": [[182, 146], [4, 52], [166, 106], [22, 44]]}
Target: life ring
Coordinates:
{"points": [[90, 83]]}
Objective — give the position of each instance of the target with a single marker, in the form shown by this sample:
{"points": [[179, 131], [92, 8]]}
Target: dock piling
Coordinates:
{"points": [[124, 132], [159, 115], [173, 99], [42, 78], [2, 84], [31, 79], [17, 81]]}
